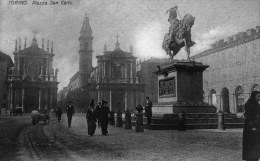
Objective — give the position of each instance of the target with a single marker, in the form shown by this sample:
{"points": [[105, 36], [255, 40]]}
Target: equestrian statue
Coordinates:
{"points": [[179, 33]]}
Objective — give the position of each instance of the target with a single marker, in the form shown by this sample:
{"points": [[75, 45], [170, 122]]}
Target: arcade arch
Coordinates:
{"points": [[239, 99], [212, 97], [225, 100]]}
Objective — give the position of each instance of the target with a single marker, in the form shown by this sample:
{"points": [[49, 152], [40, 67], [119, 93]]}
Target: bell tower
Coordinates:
{"points": [[85, 52]]}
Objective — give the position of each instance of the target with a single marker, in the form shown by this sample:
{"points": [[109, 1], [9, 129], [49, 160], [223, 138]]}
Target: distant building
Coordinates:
{"points": [[145, 72], [114, 78], [5, 64], [234, 70], [32, 81]]}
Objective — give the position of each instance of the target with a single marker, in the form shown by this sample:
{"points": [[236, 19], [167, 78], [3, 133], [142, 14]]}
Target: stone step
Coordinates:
{"points": [[194, 121], [192, 126]]}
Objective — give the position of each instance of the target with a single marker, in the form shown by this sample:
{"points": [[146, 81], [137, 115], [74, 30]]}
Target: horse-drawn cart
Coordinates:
{"points": [[37, 117]]}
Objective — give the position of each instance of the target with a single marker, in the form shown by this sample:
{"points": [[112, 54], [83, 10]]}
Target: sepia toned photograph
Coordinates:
{"points": [[129, 80]]}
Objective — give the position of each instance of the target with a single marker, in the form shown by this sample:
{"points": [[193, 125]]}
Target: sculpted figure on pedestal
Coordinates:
{"points": [[179, 33]]}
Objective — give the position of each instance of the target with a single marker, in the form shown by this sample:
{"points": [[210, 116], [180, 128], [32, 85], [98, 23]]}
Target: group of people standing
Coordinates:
{"points": [[99, 115]]}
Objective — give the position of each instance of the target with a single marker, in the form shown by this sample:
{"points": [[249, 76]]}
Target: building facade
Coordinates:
{"points": [[114, 79], [32, 81], [117, 82], [234, 70], [5, 64], [145, 73]]}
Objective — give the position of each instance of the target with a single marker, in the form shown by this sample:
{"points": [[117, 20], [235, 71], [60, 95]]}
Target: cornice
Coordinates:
{"points": [[228, 45]]}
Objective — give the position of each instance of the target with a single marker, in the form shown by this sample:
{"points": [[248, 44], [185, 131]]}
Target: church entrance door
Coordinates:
{"points": [[31, 99], [118, 101]]}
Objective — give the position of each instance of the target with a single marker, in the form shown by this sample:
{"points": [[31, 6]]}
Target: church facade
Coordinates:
{"points": [[32, 81], [234, 70], [114, 79], [5, 64]]}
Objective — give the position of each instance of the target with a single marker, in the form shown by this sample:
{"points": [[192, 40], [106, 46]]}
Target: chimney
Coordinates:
{"points": [[257, 29]]}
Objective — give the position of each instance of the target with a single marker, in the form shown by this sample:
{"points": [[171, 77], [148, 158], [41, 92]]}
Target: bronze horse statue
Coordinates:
{"points": [[179, 34]]}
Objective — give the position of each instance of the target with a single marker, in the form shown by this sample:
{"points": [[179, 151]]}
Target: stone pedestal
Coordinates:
{"points": [[128, 124], [139, 127], [221, 125], [112, 118], [181, 88], [119, 121]]}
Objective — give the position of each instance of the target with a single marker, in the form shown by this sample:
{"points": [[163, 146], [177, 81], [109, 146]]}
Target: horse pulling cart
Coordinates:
{"points": [[38, 117]]}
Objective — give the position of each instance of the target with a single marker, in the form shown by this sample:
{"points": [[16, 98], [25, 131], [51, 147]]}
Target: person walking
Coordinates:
{"points": [[91, 118], [103, 116], [148, 110], [251, 132], [58, 113], [98, 108], [70, 113]]}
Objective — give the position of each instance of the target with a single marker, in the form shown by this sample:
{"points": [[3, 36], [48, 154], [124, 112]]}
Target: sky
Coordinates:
{"points": [[141, 23]]}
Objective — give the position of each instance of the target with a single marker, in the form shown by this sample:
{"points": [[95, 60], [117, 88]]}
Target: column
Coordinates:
{"points": [[24, 66], [8, 100], [131, 72], [22, 98], [47, 67], [18, 64], [51, 99], [46, 98], [109, 70], [125, 100], [110, 99], [15, 97], [104, 69], [125, 71], [99, 96], [39, 99], [11, 103]]}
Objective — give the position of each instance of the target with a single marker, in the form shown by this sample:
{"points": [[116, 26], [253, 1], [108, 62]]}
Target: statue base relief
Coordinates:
{"points": [[181, 88]]}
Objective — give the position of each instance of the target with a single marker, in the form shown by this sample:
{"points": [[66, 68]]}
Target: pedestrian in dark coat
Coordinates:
{"points": [[103, 115], [70, 113], [251, 133], [98, 108], [148, 110], [91, 119], [58, 113]]}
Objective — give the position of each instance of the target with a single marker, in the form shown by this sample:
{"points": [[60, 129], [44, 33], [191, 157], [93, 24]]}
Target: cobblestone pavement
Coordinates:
{"points": [[122, 144], [59, 143], [11, 128]]}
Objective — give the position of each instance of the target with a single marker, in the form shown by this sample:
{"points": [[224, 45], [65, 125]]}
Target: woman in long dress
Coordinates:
{"points": [[251, 133], [91, 119]]}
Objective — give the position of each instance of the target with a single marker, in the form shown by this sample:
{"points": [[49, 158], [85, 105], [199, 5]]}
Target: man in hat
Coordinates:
{"points": [[104, 111], [91, 119], [59, 113], [98, 108], [148, 110], [70, 112]]}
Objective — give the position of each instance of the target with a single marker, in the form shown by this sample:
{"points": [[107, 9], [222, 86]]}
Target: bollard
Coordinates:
{"points": [[119, 121], [139, 127], [112, 118], [181, 118], [128, 123], [221, 125]]}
